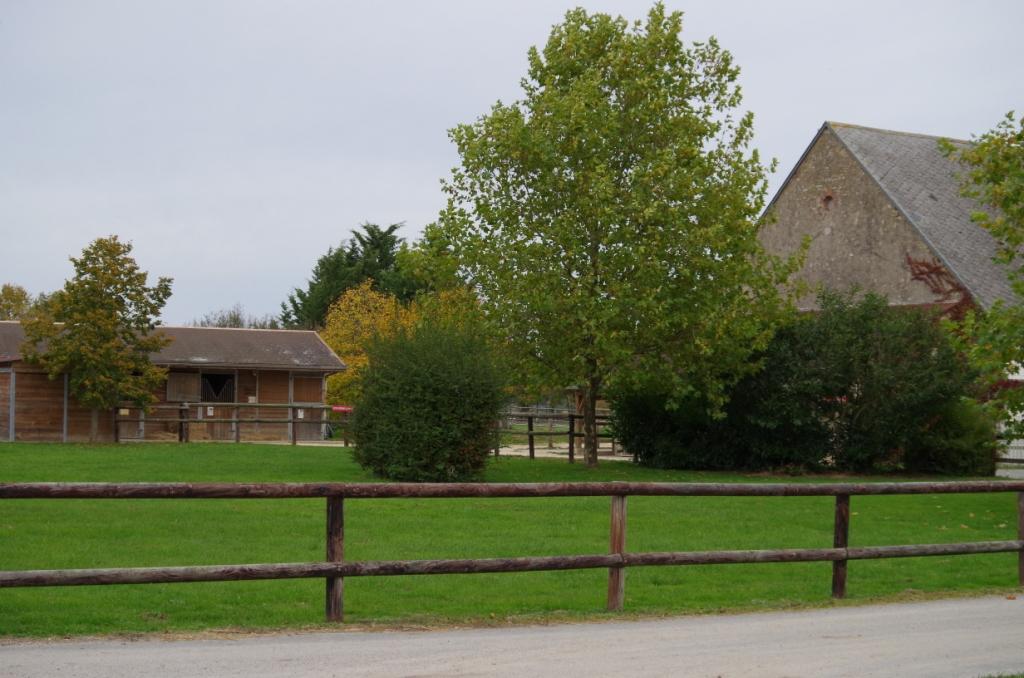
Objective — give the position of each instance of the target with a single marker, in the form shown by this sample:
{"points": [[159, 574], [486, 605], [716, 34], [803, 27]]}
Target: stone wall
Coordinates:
{"points": [[857, 236]]}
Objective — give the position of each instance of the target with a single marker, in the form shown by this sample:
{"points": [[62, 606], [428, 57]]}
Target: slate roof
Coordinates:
{"points": [[230, 347], [11, 336], [923, 184], [217, 347]]}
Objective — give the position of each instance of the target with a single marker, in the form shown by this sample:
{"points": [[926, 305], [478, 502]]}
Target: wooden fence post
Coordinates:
{"points": [[529, 433], [238, 427], [1020, 537], [291, 426], [183, 423], [572, 439], [840, 541], [335, 554], [617, 575]]}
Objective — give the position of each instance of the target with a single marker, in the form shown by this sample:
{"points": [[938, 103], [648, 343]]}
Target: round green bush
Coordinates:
{"points": [[430, 398]]}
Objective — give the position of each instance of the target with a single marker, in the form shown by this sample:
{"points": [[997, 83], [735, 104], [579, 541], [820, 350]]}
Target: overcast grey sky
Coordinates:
{"points": [[234, 142]]}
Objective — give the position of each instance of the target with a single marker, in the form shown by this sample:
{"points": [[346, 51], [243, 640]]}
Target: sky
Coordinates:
{"points": [[234, 142]]}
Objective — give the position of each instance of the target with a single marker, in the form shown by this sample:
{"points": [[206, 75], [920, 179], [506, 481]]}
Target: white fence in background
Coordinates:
{"points": [[1014, 450]]}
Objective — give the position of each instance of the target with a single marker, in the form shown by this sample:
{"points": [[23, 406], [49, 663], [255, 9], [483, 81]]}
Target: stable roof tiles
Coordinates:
{"points": [[219, 347]]}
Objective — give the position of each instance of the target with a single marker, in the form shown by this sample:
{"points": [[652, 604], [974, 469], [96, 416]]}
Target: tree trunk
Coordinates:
{"points": [[590, 420], [94, 425]]}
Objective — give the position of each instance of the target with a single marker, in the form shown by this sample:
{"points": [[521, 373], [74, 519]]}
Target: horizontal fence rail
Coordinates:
{"points": [[463, 490], [385, 568], [335, 568]]}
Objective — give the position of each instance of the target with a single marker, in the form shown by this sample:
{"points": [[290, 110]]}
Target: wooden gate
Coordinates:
{"points": [[219, 388]]}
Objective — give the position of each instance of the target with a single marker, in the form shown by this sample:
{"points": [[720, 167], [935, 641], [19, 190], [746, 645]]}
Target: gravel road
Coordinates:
{"points": [[961, 638]]}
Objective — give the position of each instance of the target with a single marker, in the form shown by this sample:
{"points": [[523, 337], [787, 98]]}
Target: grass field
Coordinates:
{"points": [[50, 534]]}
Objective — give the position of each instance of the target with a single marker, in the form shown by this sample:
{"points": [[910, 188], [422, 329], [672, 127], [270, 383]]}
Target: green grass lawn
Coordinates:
{"points": [[51, 534]]}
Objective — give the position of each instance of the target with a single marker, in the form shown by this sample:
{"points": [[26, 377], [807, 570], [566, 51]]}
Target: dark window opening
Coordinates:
{"points": [[826, 201], [218, 388]]}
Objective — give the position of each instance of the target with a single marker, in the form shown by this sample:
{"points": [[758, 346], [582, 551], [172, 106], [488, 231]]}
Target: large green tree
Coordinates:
{"points": [[608, 220], [100, 329], [994, 176], [372, 253]]}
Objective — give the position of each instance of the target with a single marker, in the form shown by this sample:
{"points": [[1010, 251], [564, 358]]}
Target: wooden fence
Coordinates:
{"points": [[184, 416], [336, 568], [571, 432], [1013, 453]]}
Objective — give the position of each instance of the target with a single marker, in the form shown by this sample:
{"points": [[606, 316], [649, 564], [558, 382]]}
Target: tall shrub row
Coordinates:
{"points": [[858, 386]]}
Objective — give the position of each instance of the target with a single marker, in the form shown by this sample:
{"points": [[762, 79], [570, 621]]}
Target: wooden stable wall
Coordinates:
{"points": [[38, 406], [309, 389], [273, 388], [44, 411], [80, 423], [252, 388], [5, 403]]}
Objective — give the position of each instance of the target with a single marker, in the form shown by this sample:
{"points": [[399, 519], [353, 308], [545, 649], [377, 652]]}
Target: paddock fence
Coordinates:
{"points": [[529, 423], [233, 422], [297, 422], [335, 568], [1014, 451]]}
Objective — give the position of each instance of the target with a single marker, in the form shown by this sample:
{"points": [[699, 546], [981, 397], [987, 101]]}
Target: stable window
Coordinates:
{"points": [[182, 387]]}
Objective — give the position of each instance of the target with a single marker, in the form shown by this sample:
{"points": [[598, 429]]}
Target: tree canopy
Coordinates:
{"points": [[15, 302], [608, 220], [372, 253], [994, 176], [359, 316], [236, 316], [100, 329], [363, 315]]}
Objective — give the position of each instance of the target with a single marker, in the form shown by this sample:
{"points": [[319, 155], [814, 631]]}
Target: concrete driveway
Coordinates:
{"points": [[961, 638]]}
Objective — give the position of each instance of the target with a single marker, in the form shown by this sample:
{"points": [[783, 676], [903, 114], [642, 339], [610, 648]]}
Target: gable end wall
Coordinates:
{"points": [[858, 237]]}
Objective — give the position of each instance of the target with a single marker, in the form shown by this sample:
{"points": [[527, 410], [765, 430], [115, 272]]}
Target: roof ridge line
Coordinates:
{"points": [[834, 124], [248, 329]]}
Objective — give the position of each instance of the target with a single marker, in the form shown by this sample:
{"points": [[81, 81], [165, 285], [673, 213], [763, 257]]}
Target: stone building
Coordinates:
{"points": [[883, 212]]}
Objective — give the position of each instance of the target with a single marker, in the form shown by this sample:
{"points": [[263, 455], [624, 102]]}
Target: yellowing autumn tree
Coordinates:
{"points": [[358, 316], [362, 314]]}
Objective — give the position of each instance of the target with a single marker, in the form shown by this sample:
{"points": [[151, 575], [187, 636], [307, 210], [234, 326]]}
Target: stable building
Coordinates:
{"points": [[222, 384]]}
